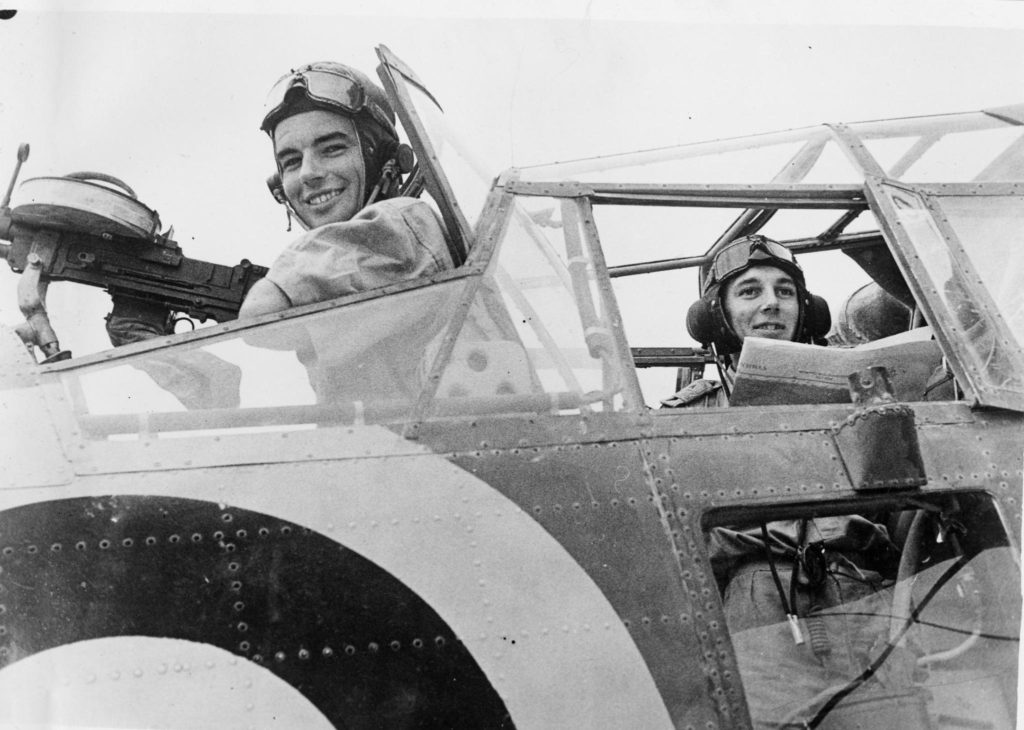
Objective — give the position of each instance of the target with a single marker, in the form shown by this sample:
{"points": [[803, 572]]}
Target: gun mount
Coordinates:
{"points": [[80, 228]]}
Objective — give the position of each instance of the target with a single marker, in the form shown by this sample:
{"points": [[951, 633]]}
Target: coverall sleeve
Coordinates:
{"points": [[391, 241]]}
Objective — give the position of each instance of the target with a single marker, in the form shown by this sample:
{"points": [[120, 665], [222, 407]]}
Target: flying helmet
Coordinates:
{"points": [[342, 89], [707, 321]]}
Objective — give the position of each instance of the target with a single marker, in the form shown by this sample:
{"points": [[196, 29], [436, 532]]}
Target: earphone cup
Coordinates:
{"points": [[700, 322], [817, 318], [276, 187], [405, 158]]}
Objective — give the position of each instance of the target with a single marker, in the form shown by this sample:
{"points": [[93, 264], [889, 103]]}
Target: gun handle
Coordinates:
{"points": [[23, 149], [36, 330]]}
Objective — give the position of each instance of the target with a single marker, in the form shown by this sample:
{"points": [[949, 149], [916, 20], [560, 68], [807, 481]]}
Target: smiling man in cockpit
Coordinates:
{"points": [[338, 172], [806, 599], [753, 288]]}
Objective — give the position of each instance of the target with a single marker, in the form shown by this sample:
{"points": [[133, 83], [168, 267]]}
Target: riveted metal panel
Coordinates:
{"points": [[769, 470], [18, 369], [771, 419], [144, 681], [596, 500], [354, 640], [683, 509], [689, 462], [692, 474], [535, 622], [31, 450], [986, 454], [531, 430], [960, 449], [31, 453], [225, 447], [751, 467]]}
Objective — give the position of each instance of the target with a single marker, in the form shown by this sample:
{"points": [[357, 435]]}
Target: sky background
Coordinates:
{"points": [[170, 100]]}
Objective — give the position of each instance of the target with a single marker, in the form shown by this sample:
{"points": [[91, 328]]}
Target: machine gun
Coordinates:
{"points": [[80, 228]]}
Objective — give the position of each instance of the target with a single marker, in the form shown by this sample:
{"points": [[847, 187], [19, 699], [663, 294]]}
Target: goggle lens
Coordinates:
{"points": [[738, 255], [327, 87]]}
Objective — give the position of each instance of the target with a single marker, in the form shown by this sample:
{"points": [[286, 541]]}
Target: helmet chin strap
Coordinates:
{"points": [[276, 188], [290, 214], [724, 376], [388, 182]]}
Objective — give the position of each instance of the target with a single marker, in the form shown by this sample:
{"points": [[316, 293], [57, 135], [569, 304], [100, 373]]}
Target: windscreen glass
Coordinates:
{"points": [[800, 156], [544, 276], [989, 230], [962, 260], [366, 362]]}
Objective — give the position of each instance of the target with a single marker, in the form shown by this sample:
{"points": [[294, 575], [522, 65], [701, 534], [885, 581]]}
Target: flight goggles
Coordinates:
{"points": [[749, 251], [329, 86]]}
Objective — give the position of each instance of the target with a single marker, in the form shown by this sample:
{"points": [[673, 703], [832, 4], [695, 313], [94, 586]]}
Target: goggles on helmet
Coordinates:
{"points": [[750, 251], [328, 85]]}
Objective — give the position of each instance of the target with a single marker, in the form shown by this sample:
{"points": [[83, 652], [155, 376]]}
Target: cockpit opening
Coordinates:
{"points": [[898, 613]]}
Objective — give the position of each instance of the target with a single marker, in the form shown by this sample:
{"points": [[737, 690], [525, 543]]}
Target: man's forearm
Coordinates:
{"points": [[264, 297]]}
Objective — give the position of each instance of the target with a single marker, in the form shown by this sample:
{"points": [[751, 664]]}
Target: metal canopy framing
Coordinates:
{"points": [[395, 76], [767, 196]]}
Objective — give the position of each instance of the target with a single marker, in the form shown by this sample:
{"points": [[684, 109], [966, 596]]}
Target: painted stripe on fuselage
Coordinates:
{"points": [[538, 626], [148, 682]]}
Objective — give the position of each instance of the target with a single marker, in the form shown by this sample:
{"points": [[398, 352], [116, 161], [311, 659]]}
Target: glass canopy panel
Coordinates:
{"points": [[364, 362], [789, 224], [989, 230], [972, 147], [905, 618], [447, 168], [637, 233], [805, 155], [544, 273], [488, 369], [467, 175], [966, 286], [632, 234], [653, 304]]}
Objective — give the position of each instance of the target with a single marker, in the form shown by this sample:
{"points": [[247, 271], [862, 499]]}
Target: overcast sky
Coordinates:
{"points": [[171, 101]]}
